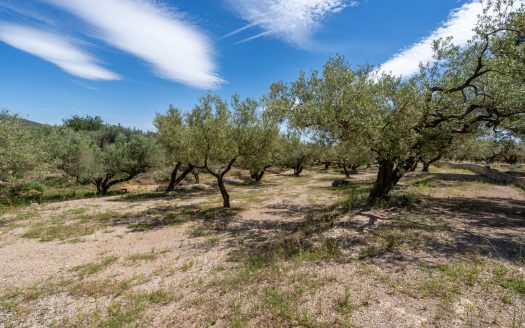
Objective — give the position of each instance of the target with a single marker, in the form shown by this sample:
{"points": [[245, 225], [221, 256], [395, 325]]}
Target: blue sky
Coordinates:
{"points": [[125, 60]]}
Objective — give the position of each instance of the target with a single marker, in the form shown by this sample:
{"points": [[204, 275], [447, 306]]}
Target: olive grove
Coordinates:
{"points": [[405, 120]]}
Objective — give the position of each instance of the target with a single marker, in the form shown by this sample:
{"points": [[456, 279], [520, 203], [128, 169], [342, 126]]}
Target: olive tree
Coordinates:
{"points": [[503, 148], [296, 154], [222, 135], [22, 147], [354, 109], [350, 156], [261, 144], [84, 123], [435, 144], [106, 157], [476, 149], [174, 135]]}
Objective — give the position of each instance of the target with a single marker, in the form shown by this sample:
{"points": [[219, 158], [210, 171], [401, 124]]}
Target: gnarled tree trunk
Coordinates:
{"points": [[224, 193], [387, 177], [349, 169], [220, 181], [297, 170], [426, 164], [257, 175], [173, 177], [175, 180], [196, 176], [414, 167], [345, 169], [384, 181], [104, 184]]}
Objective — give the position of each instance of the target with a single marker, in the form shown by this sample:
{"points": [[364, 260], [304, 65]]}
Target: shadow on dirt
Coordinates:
{"points": [[171, 215], [188, 192], [438, 228], [444, 229]]}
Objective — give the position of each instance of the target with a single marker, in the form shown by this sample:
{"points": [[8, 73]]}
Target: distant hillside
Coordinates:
{"points": [[23, 120], [29, 122]]}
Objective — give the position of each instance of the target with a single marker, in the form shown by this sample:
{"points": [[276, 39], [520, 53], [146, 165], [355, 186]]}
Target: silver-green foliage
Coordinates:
{"points": [[106, 157], [222, 134], [22, 147]]}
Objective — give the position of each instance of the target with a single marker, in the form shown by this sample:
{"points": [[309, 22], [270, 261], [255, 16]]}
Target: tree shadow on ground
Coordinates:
{"points": [[186, 193], [437, 228], [442, 228], [295, 234], [441, 179], [445, 228], [492, 226], [517, 174], [250, 184], [171, 215], [361, 186]]}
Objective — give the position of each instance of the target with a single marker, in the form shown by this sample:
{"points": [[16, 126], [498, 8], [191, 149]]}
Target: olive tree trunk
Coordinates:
{"points": [[104, 184], [297, 170], [384, 182], [349, 169], [196, 176], [426, 164], [219, 175], [388, 176], [257, 175], [224, 193], [174, 179]]}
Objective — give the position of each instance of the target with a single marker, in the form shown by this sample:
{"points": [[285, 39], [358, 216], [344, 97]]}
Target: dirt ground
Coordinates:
{"points": [[446, 251]]}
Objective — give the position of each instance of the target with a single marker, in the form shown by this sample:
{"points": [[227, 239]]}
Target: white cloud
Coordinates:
{"points": [[175, 49], [55, 49], [291, 20], [459, 25]]}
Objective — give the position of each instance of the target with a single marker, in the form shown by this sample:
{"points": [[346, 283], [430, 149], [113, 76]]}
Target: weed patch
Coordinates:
{"points": [[93, 268]]}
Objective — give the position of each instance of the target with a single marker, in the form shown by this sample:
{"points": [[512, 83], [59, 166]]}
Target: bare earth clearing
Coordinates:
{"points": [[292, 252]]}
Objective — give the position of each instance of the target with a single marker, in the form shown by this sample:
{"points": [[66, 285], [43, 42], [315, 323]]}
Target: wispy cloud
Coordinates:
{"points": [[460, 25], [26, 10], [55, 49], [291, 20], [175, 49]]}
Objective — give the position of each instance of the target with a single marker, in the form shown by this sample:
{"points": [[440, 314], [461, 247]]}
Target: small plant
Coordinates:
{"points": [[438, 287], [93, 268], [515, 283], [281, 302], [124, 312], [199, 232], [60, 182], [212, 241], [142, 257], [99, 288], [187, 265], [345, 306]]}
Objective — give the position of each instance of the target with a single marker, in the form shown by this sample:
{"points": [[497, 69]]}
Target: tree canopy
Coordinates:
{"points": [[106, 157]]}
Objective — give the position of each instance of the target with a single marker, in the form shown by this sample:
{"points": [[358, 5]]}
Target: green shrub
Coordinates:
{"points": [[27, 187]]}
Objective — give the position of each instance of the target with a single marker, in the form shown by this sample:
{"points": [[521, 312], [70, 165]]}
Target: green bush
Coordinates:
{"points": [[57, 182], [27, 187]]}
